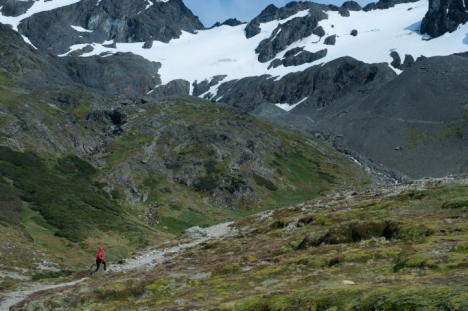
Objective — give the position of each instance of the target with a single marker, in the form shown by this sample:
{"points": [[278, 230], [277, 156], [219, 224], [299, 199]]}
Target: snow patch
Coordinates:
{"points": [[80, 29], [288, 107]]}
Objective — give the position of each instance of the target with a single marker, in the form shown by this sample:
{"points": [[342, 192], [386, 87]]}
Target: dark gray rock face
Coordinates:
{"points": [[216, 79], [298, 56], [284, 35], [319, 31], [409, 61], [275, 63], [271, 13], [174, 87], [118, 20], [322, 85], [122, 73], [200, 88], [252, 29], [444, 16], [148, 44], [352, 6], [330, 40], [304, 57], [396, 63], [15, 8]]}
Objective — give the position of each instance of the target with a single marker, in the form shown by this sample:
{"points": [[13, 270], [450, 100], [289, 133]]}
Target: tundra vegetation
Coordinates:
{"points": [[400, 247]]}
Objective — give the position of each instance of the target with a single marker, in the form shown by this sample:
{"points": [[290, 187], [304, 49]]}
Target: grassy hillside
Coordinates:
{"points": [[82, 169], [396, 248]]}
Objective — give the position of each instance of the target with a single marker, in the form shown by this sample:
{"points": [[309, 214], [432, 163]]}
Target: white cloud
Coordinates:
{"points": [[212, 11]]}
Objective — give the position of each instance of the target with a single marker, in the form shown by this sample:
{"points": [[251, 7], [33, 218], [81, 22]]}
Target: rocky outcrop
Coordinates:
{"points": [[409, 60], [444, 16], [298, 56], [271, 13], [205, 85], [385, 4], [352, 6], [321, 85], [118, 20], [397, 64], [319, 31], [229, 22], [330, 40], [284, 35], [174, 87], [15, 8], [121, 73]]}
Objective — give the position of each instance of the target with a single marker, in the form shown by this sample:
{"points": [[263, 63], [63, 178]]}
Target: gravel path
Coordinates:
{"points": [[145, 260]]}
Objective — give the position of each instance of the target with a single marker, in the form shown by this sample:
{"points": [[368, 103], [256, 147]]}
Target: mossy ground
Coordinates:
{"points": [[379, 250]]}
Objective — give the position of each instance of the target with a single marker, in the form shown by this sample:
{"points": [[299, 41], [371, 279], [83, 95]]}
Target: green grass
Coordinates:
{"points": [[65, 195]]}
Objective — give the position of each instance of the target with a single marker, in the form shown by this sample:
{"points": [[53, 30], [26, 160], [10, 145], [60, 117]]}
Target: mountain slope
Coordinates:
{"points": [[395, 248]]}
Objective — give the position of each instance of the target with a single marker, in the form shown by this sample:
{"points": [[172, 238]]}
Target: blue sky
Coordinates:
{"points": [[212, 11]]}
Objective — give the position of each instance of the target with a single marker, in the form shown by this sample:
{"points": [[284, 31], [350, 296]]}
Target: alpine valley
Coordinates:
{"points": [[313, 158]]}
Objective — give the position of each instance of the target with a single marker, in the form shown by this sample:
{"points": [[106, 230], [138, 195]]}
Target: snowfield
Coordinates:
{"points": [[226, 51]]}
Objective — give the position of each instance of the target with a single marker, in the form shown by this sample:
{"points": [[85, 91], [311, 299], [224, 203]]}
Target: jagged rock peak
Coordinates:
{"points": [[116, 20], [229, 22]]}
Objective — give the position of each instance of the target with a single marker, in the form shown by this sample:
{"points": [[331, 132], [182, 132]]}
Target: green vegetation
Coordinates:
{"points": [[377, 250], [63, 195]]}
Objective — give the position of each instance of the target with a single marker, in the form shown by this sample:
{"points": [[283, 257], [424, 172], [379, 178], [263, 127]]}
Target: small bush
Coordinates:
{"points": [[206, 184], [456, 203], [263, 182]]}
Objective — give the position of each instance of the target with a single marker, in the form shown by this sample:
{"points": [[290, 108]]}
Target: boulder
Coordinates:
{"points": [[354, 33], [148, 44], [330, 40], [319, 31], [396, 63]]}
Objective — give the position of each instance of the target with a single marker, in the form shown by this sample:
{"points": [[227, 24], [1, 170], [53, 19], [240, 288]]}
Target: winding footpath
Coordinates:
{"points": [[147, 259]]}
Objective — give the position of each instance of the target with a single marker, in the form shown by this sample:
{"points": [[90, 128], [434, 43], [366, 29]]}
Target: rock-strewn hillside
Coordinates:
{"points": [[394, 248]]}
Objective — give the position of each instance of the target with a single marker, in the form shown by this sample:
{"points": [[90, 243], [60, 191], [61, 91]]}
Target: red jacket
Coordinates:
{"points": [[100, 254]]}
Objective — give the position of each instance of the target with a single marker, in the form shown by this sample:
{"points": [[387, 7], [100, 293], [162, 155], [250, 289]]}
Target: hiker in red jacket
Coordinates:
{"points": [[100, 259]]}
